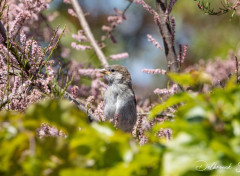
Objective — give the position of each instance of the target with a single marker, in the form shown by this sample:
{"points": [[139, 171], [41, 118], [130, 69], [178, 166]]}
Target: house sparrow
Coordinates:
{"points": [[119, 98]]}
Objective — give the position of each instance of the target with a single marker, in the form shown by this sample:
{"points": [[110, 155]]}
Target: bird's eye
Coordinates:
{"points": [[112, 70]]}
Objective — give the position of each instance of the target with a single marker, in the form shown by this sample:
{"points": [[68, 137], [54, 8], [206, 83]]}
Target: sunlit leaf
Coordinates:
{"points": [[175, 99], [184, 79]]}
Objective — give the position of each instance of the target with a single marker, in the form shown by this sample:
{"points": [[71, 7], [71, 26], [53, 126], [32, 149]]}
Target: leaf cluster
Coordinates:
{"points": [[206, 130], [88, 149]]}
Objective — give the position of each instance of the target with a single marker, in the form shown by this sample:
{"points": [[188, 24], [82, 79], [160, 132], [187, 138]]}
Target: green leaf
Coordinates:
{"points": [[194, 77], [175, 99], [82, 172], [184, 79], [196, 114], [60, 113], [220, 146]]}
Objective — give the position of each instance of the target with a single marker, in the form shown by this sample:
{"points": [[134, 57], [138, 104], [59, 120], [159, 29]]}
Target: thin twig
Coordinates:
{"points": [[125, 10], [88, 32], [80, 106]]}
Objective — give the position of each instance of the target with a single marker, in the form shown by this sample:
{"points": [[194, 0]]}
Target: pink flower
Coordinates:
{"points": [[34, 48], [67, 1], [80, 36], [80, 47], [185, 49], [22, 38], [88, 72], [199, 6], [165, 91], [72, 12], [154, 42], [154, 71], [99, 112], [75, 91], [146, 7], [119, 56], [106, 28]]}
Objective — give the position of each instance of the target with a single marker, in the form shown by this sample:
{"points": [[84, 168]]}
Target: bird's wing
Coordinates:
{"points": [[135, 101]]}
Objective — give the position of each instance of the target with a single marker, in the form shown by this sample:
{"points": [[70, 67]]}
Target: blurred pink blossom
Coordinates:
{"points": [[67, 1], [154, 71], [80, 47], [146, 7], [72, 12], [184, 54], [165, 91], [154, 42], [75, 91], [106, 28], [80, 37], [22, 38], [119, 56], [89, 72], [53, 16], [99, 112]]}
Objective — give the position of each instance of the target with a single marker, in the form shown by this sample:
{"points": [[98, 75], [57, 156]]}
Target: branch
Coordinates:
{"points": [[167, 35], [80, 106], [88, 33], [67, 96]]}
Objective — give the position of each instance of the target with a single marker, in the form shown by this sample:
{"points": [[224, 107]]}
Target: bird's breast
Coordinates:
{"points": [[110, 101]]}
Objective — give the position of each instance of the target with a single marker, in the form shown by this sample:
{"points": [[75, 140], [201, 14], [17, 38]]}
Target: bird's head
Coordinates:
{"points": [[117, 74]]}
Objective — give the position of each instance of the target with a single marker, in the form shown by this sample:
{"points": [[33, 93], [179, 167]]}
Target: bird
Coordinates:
{"points": [[119, 98]]}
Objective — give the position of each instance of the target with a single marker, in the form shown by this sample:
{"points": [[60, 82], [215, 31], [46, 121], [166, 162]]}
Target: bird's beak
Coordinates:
{"points": [[105, 72]]}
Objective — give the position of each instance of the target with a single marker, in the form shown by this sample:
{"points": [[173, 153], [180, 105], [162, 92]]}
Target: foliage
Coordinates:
{"points": [[206, 131], [95, 149]]}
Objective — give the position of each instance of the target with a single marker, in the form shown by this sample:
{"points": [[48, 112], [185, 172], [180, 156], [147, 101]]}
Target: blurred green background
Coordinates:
{"points": [[208, 37]]}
